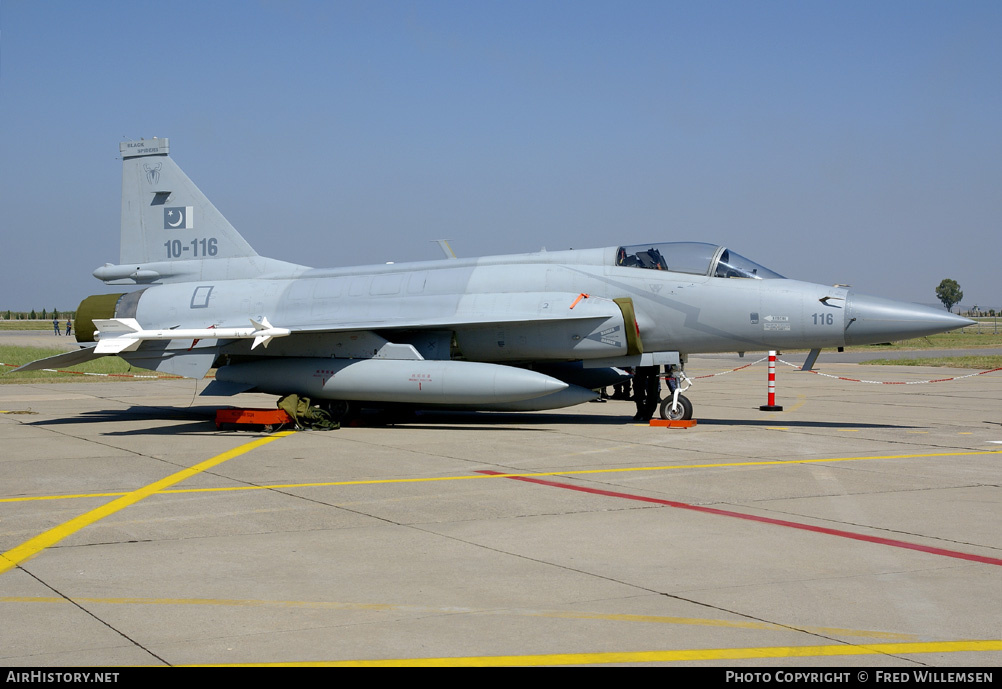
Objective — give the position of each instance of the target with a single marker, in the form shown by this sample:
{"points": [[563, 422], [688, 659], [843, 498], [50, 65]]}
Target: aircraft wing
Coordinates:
{"points": [[478, 310], [432, 323], [509, 327]]}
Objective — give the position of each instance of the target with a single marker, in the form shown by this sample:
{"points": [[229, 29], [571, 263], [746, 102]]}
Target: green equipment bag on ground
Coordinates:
{"points": [[307, 415]]}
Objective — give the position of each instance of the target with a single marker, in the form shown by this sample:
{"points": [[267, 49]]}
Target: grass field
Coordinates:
{"points": [[32, 325], [952, 340], [981, 363]]}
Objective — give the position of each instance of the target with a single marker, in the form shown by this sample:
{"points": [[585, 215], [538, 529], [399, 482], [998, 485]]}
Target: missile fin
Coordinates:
{"points": [[114, 345], [117, 325], [261, 340]]}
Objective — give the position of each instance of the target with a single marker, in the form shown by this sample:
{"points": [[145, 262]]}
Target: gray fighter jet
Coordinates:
{"points": [[519, 332]]}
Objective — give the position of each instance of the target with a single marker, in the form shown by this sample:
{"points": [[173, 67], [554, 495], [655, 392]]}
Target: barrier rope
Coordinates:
{"points": [[846, 378], [895, 382], [724, 373]]}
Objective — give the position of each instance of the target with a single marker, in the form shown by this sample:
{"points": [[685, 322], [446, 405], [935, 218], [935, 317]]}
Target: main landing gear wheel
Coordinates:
{"points": [[682, 413], [340, 410]]}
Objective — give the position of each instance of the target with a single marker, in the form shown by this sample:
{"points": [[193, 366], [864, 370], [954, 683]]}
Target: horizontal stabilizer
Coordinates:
{"points": [[79, 356]]}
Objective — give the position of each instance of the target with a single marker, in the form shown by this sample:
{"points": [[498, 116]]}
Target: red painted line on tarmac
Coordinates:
{"points": [[764, 520]]}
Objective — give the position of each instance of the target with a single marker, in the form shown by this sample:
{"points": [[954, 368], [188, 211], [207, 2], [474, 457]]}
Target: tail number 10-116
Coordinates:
{"points": [[198, 247]]}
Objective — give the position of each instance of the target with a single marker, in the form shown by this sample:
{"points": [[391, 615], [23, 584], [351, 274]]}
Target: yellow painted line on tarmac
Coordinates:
{"points": [[697, 654], [32, 547], [454, 610], [801, 401], [77, 496], [479, 477]]}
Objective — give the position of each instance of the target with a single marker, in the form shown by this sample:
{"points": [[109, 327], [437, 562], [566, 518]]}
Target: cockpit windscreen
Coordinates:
{"points": [[696, 258]]}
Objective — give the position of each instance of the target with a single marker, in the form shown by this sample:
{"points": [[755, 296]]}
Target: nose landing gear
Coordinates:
{"points": [[677, 407]]}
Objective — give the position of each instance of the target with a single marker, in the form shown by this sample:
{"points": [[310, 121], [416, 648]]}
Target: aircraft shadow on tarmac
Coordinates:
{"points": [[200, 420], [782, 423], [438, 419]]}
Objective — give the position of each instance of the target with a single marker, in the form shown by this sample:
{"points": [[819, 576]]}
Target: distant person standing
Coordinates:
{"points": [[55, 325], [69, 326]]}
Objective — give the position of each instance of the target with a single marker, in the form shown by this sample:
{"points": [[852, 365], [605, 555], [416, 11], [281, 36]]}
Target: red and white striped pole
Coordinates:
{"points": [[772, 406]]}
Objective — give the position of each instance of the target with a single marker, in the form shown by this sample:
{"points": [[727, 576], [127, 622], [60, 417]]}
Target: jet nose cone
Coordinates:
{"points": [[872, 320]]}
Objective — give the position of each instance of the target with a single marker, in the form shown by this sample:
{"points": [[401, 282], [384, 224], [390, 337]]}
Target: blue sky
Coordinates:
{"points": [[849, 142]]}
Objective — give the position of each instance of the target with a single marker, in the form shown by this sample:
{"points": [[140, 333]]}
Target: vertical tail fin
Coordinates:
{"points": [[171, 232], [165, 216]]}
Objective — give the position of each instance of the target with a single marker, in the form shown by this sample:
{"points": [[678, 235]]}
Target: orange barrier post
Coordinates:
{"points": [[772, 406]]}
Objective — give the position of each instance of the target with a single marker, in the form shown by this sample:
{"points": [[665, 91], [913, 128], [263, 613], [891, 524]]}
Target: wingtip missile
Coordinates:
{"points": [[116, 335]]}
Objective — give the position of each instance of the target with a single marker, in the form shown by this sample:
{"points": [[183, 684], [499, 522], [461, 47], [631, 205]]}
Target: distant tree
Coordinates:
{"points": [[949, 293], [44, 317], [33, 315]]}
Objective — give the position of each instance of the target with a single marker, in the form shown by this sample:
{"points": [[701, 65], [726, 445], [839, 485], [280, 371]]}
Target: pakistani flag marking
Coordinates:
{"points": [[179, 218]]}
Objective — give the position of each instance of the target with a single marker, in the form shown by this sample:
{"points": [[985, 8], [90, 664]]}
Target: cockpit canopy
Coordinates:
{"points": [[696, 258]]}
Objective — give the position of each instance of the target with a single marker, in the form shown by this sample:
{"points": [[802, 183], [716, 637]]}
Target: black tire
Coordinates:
{"points": [[684, 403], [393, 414], [339, 410]]}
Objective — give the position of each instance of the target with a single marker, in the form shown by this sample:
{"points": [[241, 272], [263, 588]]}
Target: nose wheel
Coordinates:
{"points": [[676, 411], [676, 406]]}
